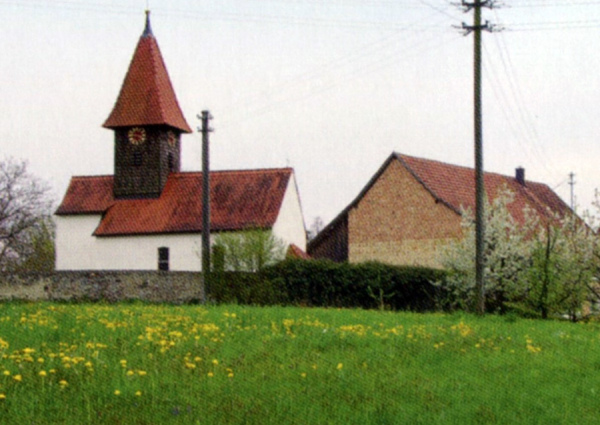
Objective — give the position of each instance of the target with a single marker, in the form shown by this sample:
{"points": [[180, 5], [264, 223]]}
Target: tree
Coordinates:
{"points": [[316, 227], [249, 251], [538, 268], [25, 207], [506, 249]]}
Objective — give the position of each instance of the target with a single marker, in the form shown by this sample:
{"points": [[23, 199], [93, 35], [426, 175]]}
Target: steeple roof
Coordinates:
{"points": [[147, 96]]}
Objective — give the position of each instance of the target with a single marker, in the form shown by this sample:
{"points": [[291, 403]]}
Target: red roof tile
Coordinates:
{"points": [[147, 96], [239, 200], [455, 186], [295, 252]]}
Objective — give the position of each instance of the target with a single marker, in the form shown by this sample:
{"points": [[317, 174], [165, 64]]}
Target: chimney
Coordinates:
{"points": [[520, 175]]}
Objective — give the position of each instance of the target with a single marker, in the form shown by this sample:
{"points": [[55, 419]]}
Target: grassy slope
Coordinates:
{"points": [[232, 364]]}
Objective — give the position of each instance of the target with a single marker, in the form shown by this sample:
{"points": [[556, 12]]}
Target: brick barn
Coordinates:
{"points": [[412, 207], [148, 215]]}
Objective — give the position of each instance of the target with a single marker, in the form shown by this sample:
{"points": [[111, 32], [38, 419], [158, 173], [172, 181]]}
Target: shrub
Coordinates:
{"points": [[324, 283]]}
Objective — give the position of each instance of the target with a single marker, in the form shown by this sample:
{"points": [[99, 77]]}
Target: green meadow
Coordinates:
{"points": [[149, 364]]}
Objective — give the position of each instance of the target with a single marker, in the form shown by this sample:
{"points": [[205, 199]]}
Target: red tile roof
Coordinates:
{"points": [[147, 96], [295, 252], [239, 200], [455, 186]]}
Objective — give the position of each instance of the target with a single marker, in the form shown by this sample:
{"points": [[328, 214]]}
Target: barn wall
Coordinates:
{"points": [[398, 221]]}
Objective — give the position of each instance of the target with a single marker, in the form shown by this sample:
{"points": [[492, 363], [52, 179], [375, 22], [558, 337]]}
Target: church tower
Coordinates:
{"points": [[147, 122]]}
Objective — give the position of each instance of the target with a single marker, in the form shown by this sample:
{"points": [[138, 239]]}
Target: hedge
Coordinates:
{"points": [[323, 283]]}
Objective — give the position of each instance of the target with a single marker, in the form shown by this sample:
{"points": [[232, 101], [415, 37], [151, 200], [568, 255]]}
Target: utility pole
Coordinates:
{"points": [[476, 28], [572, 184], [205, 130]]}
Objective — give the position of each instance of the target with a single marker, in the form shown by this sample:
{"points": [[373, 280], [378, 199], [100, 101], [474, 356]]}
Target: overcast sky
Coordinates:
{"points": [[330, 88]]}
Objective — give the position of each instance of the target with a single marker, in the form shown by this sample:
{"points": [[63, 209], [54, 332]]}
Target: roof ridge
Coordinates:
{"points": [[465, 167]]}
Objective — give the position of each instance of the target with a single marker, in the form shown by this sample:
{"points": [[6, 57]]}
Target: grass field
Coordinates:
{"points": [[141, 364]]}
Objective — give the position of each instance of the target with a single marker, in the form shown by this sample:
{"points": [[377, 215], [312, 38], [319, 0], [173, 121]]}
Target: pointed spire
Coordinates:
{"points": [[147, 96], [148, 28]]}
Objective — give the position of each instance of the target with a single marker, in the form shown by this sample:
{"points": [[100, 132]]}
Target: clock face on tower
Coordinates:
{"points": [[136, 135]]}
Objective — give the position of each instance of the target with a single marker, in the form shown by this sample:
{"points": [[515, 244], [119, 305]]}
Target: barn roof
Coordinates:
{"points": [[239, 199], [147, 96], [454, 186]]}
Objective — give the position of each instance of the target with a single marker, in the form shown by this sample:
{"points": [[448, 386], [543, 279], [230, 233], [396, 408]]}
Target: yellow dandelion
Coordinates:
{"points": [[117, 392], [6, 373], [230, 375], [138, 393], [52, 371], [303, 374], [210, 374], [142, 372], [2, 396], [63, 383], [18, 378], [340, 366], [42, 373], [130, 373], [215, 362]]}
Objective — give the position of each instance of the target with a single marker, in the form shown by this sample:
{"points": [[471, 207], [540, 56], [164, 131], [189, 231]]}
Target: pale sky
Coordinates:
{"points": [[330, 88]]}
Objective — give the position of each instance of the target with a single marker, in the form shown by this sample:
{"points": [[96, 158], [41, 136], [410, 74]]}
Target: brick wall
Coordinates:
{"points": [[333, 244], [398, 222], [109, 286]]}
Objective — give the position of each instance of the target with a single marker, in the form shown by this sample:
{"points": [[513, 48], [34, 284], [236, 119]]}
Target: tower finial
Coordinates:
{"points": [[148, 29]]}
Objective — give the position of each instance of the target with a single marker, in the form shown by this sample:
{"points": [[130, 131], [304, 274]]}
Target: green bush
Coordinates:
{"points": [[323, 283], [244, 288]]}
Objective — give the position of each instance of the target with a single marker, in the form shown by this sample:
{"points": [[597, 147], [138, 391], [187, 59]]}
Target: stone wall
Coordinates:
{"points": [[108, 286]]}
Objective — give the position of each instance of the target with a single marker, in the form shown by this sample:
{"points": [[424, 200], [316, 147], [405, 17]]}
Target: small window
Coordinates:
{"points": [[163, 258], [171, 162], [137, 158]]}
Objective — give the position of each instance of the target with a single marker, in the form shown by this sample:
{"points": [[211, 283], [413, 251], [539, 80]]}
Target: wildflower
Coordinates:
{"points": [[117, 392], [215, 362], [138, 393], [210, 374], [6, 373], [18, 378], [340, 366], [130, 373], [2, 396], [63, 383], [230, 375], [42, 373], [303, 374], [142, 372]]}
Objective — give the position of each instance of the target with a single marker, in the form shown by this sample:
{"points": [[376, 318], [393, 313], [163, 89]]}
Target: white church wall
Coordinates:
{"points": [[289, 225], [78, 249]]}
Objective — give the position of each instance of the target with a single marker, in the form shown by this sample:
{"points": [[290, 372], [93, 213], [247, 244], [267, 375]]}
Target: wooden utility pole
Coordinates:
{"points": [[476, 28], [572, 184], [205, 130]]}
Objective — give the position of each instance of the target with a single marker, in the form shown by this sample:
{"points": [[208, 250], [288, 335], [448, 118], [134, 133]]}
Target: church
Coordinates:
{"points": [[148, 214]]}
